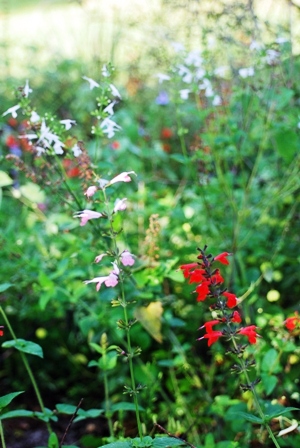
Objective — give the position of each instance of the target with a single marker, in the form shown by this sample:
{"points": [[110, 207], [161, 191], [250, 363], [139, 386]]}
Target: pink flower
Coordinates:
{"points": [[120, 205], [98, 280], [90, 191], [123, 177], [127, 258], [115, 270], [99, 258], [85, 215], [112, 280]]}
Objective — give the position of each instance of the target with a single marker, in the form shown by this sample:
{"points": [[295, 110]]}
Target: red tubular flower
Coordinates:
{"points": [[197, 276], [212, 337], [222, 258], [208, 325], [292, 322], [236, 317], [250, 333], [217, 278], [187, 268], [232, 301], [203, 291], [1, 330]]}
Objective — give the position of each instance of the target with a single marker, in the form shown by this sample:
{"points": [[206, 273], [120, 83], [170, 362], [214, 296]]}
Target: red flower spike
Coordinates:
{"points": [[236, 317], [292, 322], [222, 258], [203, 291], [232, 301], [212, 337], [197, 276], [250, 333], [208, 325]]}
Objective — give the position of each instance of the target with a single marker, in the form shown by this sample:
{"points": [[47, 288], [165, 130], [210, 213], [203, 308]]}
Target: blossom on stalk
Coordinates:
{"points": [[99, 258], [114, 91], [127, 258], [187, 268], [236, 317], [90, 191], [250, 333], [212, 337], [34, 117], [120, 205], [86, 215], [292, 322], [27, 90], [232, 300], [67, 123], [12, 110], [123, 177], [222, 258], [109, 127], [203, 291], [208, 325], [92, 83]]}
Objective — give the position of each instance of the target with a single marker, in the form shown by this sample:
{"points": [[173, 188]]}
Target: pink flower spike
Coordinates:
{"points": [[123, 177], [112, 280], [98, 280], [86, 215], [90, 191], [99, 258], [120, 205], [127, 258]]}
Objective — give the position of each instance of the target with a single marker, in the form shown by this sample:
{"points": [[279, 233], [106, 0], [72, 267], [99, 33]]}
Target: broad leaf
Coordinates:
{"points": [[25, 346], [150, 317]]}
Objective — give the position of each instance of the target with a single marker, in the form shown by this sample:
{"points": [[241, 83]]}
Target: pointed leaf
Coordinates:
{"points": [[250, 417], [6, 399], [164, 442], [17, 413], [25, 346], [150, 317], [282, 411]]}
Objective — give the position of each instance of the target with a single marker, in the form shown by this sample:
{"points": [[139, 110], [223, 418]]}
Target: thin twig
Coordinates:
{"points": [[70, 423], [172, 435]]}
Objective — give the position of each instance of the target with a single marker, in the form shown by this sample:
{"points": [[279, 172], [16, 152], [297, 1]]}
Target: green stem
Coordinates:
{"points": [[27, 367], [256, 399], [107, 405], [127, 326], [2, 435]]}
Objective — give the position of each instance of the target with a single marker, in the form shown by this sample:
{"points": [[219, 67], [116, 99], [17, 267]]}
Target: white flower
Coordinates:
{"points": [[12, 111], [115, 270], [185, 73], [105, 71], [114, 91], [246, 72], [120, 205], [194, 58], [102, 183], [123, 177], [99, 258], [178, 47], [27, 90], [109, 108], [67, 123], [272, 56], [109, 127], [40, 150], [76, 150], [91, 82], [162, 77], [85, 215], [184, 94], [28, 136], [34, 117], [217, 101], [281, 40], [200, 73], [221, 71], [256, 46], [58, 147]]}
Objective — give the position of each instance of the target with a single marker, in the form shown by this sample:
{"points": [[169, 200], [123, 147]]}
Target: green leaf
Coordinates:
{"points": [[5, 286], [251, 418], [5, 180], [53, 441], [6, 399], [282, 411], [124, 406], [17, 413], [97, 347], [109, 361], [286, 142], [124, 444], [33, 192], [63, 408], [270, 361], [269, 382], [164, 442], [25, 346]]}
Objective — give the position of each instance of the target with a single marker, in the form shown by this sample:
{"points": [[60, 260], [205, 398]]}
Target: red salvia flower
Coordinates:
{"points": [[208, 325], [292, 322], [236, 317], [232, 300], [250, 333], [203, 291], [197, 276], [1, 330], [217, 278], [212, 337], [222, 258], [187, 268]]}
